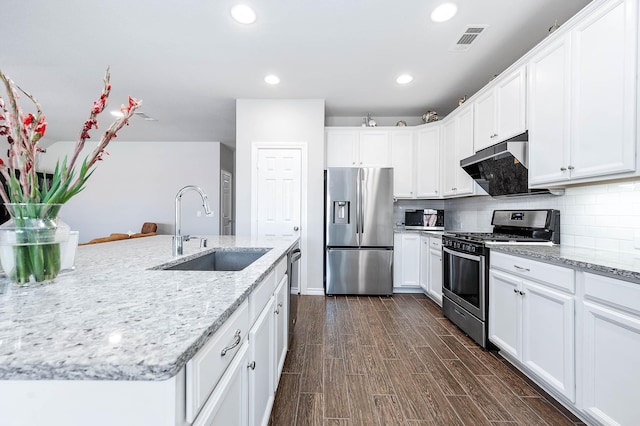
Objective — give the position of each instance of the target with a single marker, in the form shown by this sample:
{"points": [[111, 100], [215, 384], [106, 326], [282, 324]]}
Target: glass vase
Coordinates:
{"points": [[30, 242]]}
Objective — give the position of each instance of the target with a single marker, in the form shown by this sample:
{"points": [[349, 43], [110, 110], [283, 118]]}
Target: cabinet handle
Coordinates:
{"points": [[277, 311], [522, 293], [521, 268], [235, 343], [571, 167], [515, 290], [563, 169], [252, 365]]}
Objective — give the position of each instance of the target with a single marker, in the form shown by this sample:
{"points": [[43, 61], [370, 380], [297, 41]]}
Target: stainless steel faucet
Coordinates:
{"points": [[178, 239]]}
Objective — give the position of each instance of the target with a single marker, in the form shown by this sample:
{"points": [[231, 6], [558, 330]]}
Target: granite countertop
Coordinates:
{"points": [[115, 319], [619, 265], [402, 229]]}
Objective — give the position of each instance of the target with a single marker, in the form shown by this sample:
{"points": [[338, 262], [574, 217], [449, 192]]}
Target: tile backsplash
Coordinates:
{"points": [[601, 216]]}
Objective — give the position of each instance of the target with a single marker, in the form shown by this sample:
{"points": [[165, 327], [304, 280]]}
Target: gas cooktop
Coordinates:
{"points": [[498, 238]]}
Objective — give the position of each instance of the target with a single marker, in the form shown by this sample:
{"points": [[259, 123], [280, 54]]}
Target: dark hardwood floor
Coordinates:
{"points": [[398, 361]]}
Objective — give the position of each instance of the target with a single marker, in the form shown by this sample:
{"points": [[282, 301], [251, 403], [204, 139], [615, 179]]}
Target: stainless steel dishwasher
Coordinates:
{"points": [[293, 271]]}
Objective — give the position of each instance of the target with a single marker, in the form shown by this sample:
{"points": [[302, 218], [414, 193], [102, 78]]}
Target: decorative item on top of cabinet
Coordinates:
{"points": [[429, 117], [462, 100], [370, 121], [401, 123]]}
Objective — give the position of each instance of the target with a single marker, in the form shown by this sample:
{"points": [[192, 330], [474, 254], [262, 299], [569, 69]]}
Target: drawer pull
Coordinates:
{"points": [[235, 343], [521, 268], [252, 365]]}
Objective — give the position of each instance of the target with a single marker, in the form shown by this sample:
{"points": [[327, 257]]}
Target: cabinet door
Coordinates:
{"points": [[511, 105], [484, 109], [610, 370], [281, 314], [402, 159], [548, 110], [435, 275], [464, 148], [505, 306], [604, 91], [424, 263], [548, 343], [410, 260], [428, 163], [449, 158], [374, 149], [228, 404], [261, 354], [341, 148]]}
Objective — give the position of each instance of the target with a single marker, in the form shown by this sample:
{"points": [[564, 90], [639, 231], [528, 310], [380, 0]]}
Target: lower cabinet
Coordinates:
{"points": [[611, 344], [532, 318], [406, 261], [260, 365], [435, 269], [229, 403]]}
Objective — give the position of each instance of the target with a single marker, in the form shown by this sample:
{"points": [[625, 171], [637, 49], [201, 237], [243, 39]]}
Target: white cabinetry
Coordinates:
{"points": [[261, 362], [457, 139], [407, 260], [611, 344], [428, 162], [583, 94], [532, 318], [403, 162], [281, 327], [435, 269], [499, 112], [424, 263], [357, 148]]}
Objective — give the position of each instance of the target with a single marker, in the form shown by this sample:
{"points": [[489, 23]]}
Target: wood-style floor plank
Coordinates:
{"points": [[398, 361]]}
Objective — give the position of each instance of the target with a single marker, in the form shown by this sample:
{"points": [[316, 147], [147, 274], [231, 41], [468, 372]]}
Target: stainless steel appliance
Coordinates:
{"points": [[293, 272], [502, 169], [359, 231], [424, 219], [465, 260]]}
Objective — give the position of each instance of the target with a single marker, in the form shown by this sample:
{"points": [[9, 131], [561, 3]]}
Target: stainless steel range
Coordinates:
{"points": [[465, 260]]}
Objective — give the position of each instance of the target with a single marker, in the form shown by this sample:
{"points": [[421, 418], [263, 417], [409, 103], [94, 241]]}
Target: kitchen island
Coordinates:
{"points": [[116, 319]]}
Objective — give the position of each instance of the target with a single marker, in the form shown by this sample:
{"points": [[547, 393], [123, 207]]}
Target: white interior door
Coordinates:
{"points": [[278, 195], [226, 203]]}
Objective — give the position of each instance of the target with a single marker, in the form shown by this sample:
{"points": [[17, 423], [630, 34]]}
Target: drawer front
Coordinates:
{"points": [[435, 242], [621, 294], [260, 296], [281, 269], [207, 366], [550, 275]]}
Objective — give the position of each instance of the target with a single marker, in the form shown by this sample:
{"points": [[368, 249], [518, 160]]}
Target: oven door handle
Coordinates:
{"points": [[464, 255]]}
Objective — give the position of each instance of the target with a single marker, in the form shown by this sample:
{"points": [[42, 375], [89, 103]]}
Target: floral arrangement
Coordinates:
{"points": [[31, 251], [24, 131]]}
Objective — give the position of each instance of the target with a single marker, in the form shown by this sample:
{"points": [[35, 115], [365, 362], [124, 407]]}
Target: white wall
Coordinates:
{"points": [[138, 183], [281, 121], [603, 216]]}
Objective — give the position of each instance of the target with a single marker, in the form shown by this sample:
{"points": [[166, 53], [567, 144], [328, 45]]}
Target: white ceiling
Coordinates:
{"points": [[189, 61]]}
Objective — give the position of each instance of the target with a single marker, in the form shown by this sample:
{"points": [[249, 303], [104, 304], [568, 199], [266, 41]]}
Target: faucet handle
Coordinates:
{"points": [[186, 237]]}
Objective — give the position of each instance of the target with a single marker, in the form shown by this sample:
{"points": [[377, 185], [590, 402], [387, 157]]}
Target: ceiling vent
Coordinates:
{"points": [[470, 36]]}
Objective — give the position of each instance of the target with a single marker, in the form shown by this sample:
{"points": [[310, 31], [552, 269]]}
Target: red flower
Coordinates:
{"points": [[1, 162], [41, 127], [28, 119]]}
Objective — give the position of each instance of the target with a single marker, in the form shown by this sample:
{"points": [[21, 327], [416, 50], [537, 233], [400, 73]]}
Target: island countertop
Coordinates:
{"points": [[114, 318]]}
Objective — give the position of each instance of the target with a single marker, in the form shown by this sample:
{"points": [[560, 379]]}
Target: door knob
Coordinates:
{"points": [[296, 228]]}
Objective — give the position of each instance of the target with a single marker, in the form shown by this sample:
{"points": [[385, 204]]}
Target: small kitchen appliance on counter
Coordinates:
{"points": [[424, 220], [359, 231], [465, 264]]}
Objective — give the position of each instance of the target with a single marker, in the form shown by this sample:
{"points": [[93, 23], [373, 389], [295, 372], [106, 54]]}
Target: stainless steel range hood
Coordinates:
{"points": [[502, 169]]}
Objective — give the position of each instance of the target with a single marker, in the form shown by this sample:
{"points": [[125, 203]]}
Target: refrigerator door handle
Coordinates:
{"points": [[361, 179], [358, 205]]}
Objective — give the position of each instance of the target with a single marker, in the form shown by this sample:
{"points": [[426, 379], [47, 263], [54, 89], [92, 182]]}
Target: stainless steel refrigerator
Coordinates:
{"points": [[359, 231]]}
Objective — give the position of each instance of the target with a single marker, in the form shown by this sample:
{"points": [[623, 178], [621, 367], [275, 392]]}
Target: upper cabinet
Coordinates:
{"points": [[582, 99], [358, 148], [457, 141], [428, 162], [499, 112], [402, 159]]}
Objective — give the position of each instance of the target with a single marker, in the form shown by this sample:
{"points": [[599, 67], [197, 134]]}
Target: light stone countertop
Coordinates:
{"points": [[114, 319], [620, 265]]}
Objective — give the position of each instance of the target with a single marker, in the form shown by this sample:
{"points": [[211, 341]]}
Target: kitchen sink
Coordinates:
{"points": [[224, 260]]}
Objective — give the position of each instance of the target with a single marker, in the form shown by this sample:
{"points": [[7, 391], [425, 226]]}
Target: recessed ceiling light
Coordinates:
{"points": [[272, 79], [117, 113], [404, 79], [243, 14], [444, 12]]}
